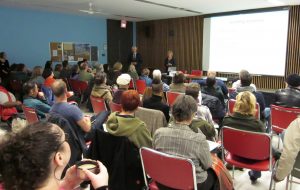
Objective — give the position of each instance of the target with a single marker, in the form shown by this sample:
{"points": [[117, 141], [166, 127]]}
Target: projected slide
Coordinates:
{"points": [[256, 42]]}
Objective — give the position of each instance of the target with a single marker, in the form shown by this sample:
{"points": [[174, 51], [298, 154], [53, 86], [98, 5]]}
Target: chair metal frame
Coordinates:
{"points": [[167, 95], [269, 136], [138, 83], [166, 156], [97, 100], [112, 105], [279, 129], [29, 110]]}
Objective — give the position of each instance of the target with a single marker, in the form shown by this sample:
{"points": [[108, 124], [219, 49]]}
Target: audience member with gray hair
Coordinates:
{"points": [[243, 74], [156, 74], [189, 144]]}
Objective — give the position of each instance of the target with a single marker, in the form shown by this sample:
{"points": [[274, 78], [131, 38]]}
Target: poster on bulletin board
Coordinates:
{"points": [[71, 51]]}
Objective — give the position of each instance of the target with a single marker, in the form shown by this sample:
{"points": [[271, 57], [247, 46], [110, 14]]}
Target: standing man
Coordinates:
{"points": [[135, 59]]}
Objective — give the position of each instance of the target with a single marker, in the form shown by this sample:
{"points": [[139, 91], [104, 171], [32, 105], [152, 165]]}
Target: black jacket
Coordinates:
{"points": [[155, 102], [121, 158], [138, 59], [289, 97]]}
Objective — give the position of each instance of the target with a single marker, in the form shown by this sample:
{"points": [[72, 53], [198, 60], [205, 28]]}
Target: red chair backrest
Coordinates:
{"points": [[231, 103], [246, 144], [141, 86], [98, 104], [78, 86], [131, 84], [115, 107], [30, 115], [171, 171], [171, 97], [281, 117], [197, 73]]}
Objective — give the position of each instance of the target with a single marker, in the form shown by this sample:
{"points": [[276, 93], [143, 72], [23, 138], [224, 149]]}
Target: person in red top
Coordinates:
{"points": [[8, 104], [49, 78]]}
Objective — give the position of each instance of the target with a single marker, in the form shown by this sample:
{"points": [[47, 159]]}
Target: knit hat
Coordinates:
{"points": [[293, 80], [123, 79]]}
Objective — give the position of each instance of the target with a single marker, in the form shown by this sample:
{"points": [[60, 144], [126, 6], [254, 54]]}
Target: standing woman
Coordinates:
{"points": [[169, 61], [4, 66]]}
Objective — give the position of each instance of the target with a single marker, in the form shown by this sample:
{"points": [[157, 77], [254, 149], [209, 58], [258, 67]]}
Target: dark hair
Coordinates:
{"points": [[47, 73], [65, 63], [48, 65], [79, 63], [13, 67], [20, 67], [157, 87], [59, 88], [210, 81], [2, 54], [245, 78], [28, 86], [184, 107], [100, 78], [25, 156], [58, 67], [130, 100], [83, 66], [193, 89], [178, 78], [293, 80]]}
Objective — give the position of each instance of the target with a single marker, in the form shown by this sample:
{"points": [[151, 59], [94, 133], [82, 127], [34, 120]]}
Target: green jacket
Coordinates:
{"points": [[207, 129], [131, 127], [244, 122], [85, 76]]}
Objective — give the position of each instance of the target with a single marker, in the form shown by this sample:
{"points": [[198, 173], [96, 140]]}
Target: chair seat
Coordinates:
{"points": [[153, 186], [257, 165]]}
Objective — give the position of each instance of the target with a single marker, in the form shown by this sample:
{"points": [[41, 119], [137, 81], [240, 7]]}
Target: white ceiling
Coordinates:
{"points": [[146, 11]]}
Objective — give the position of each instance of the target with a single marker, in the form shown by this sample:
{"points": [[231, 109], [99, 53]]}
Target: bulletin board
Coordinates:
{"points": [[56, 51], [71, 51]]}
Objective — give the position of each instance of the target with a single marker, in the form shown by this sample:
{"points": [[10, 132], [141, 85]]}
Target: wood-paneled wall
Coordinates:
{"points": [[185, 37]]}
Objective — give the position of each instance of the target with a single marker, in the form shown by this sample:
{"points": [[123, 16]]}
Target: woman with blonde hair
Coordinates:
{"points": [[113, 73], [243, 118]]}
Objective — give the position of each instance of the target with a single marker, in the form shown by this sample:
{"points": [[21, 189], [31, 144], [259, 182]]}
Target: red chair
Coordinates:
{"points": [[171, 171], [78, 87], [247, 149], [131, 84], [141, 86], [231, 103], [115, 107], [98, 104], [171, 97], [281, 117], [30, 115], [197, 73]]}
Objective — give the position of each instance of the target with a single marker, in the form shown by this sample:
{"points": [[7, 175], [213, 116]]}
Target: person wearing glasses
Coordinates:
{"points": [[29, 161]]}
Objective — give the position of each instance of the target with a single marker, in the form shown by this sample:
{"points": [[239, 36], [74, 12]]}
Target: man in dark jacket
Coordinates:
{"points": [[135, 58], [290, 96], [155, 101]]}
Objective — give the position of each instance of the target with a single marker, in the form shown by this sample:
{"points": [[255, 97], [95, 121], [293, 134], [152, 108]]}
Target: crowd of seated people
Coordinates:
{"points": [[192, 120]]}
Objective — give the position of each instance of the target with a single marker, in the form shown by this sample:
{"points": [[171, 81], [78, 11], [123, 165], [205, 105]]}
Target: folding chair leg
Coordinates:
{"points": [[291, 182], [287, 182], [233, 172]]}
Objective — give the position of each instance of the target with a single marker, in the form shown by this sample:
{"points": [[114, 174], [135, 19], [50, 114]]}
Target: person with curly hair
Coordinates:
{"points": [[36, 157]]}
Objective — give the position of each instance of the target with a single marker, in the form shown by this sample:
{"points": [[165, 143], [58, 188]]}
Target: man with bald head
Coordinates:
{"points": [[135, 59], [219, 82]]}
